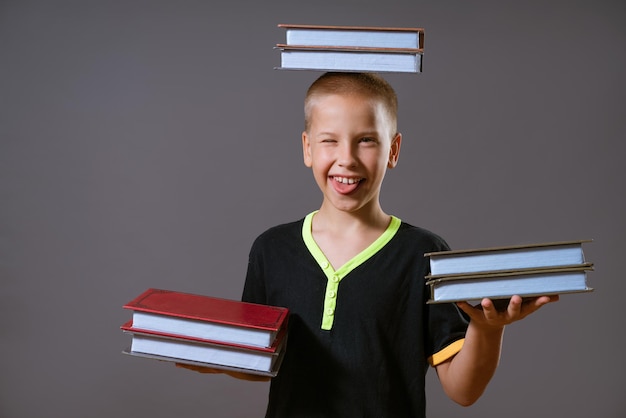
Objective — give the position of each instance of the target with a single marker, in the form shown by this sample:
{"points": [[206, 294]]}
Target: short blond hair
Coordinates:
{"points": [[366, 84]]}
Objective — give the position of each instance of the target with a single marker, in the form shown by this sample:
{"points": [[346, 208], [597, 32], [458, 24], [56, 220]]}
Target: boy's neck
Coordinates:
{"points": [[341, 236], [365, 218]]}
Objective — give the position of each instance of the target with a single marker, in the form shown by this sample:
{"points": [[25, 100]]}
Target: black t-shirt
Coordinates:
{"points": [[358, 345]]}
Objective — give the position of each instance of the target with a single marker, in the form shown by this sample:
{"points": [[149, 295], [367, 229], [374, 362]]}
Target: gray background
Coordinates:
{"points": [[146, 143]]}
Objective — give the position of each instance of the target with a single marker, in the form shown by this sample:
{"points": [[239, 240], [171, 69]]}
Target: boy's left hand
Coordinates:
{"points": [[486, 315]]}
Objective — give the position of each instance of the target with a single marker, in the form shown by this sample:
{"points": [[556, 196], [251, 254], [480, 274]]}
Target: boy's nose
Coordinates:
{"points": [[347, 156]]}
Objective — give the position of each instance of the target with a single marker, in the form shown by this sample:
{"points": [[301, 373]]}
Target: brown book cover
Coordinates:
{"points": [[507, 247], [349, 49]]}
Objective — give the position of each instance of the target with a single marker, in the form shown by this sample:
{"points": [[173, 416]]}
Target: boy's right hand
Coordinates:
{"points": [[237, 375]]}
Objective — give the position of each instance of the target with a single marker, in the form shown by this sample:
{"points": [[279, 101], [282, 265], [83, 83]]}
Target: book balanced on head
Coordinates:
{"points": [[204, 330], [352, 48]]}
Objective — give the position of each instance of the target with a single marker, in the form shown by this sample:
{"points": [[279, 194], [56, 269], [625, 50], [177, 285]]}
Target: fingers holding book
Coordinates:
{"points": [[499, 313], [237, 375]]}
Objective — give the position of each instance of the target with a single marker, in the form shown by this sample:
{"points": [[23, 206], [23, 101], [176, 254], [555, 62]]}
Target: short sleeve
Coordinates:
{"points": [[446, 325], [446, 332]]}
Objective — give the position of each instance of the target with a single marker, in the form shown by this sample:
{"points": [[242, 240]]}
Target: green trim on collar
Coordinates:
{"points": [[335, 276]]}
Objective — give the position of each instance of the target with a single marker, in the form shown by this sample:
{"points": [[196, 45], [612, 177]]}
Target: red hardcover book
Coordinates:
{"points": [[215, 354], [207, 318]]}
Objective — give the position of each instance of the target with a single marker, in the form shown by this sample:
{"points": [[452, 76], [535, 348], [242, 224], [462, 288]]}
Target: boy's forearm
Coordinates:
{"points": [[465, 377]]}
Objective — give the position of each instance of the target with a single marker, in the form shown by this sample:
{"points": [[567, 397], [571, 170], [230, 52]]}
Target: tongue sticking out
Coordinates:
{"points": [[345, 186]]}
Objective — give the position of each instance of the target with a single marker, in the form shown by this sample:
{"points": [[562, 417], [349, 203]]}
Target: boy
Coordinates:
{"points": [[361, 335]]}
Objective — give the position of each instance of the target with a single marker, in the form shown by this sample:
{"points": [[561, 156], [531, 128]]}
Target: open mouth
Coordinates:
{"points": [[347, 180], [346, 185]]}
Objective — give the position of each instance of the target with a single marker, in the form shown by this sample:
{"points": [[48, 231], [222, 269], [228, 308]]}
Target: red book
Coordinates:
{"points": [[207, 318], [215, 354]]}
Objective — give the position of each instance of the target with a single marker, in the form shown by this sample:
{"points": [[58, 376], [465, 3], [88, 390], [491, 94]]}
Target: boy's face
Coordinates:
{"points": [[349, 146]]}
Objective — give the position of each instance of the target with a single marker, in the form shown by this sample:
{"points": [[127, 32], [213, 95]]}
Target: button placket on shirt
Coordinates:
{"points": [[330, 300]]}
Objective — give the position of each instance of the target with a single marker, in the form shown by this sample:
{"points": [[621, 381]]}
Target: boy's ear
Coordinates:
{"points": [[394, 150], [306, 149]]}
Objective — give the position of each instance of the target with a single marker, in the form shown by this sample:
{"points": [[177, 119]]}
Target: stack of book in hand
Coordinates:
{"points": [[352, 48], [206, 331], [501, 272]]}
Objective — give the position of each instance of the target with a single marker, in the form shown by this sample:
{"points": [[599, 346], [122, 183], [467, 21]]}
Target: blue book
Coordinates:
{"points": [[503, 284], [501, 272]]}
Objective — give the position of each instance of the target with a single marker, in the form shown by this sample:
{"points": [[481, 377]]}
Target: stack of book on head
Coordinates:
{"points": [[206, 331], [352, 48], [501, 272]]}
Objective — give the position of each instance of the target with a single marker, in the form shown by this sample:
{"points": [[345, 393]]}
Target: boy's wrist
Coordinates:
{"points": [[486, 329]]}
